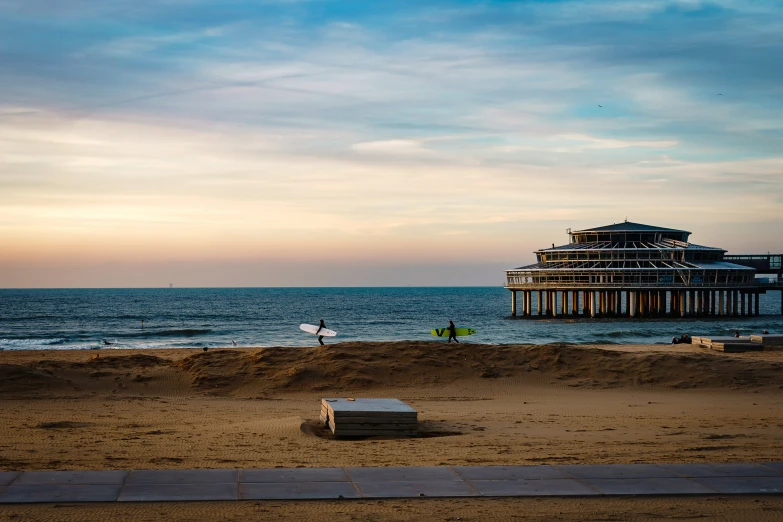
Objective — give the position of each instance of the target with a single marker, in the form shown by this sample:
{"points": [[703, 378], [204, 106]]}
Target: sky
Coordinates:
{"points": [[354, 143]]}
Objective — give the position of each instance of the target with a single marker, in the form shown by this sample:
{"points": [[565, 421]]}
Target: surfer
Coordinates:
{"points": [[453, 332], [321, 326]]}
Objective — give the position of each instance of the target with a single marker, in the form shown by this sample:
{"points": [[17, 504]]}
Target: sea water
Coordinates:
{"points": [[213, 317]]}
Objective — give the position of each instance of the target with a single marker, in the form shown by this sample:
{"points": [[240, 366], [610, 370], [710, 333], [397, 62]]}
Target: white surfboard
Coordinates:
{"points": [[311, 328]]}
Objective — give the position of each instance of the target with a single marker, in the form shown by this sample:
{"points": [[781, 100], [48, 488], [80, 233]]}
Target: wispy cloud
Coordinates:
{"points": [[390, 147]]}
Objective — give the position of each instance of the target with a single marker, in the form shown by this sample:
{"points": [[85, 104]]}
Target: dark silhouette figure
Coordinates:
{"points": [[453, 332], [320, 327]]}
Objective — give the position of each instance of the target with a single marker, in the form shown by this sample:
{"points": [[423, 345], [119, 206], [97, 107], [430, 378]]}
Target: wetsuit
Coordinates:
{"points": [[453, 332], [320, 337]]}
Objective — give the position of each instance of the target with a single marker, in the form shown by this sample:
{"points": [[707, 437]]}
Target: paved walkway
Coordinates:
{"points": [[402, 482]]}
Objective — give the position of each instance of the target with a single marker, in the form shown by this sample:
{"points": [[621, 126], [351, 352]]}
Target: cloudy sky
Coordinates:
{"points": [[290, 143]]}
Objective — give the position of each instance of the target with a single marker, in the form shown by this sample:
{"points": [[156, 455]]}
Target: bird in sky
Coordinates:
{"points": [[601, 106], [719, 94]]}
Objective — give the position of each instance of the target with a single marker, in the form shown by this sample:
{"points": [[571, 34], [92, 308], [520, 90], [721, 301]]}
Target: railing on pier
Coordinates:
{"points": [[763, 263]]}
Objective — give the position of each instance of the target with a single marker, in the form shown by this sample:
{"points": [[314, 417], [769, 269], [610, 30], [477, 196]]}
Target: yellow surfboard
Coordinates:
{"points": [[444, 332]]}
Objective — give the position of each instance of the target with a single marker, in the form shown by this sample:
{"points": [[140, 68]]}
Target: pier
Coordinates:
{"points": [[635, 270]]}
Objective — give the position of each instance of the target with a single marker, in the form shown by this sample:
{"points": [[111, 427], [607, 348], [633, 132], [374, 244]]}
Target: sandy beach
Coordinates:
{"points": [[477, 404]]}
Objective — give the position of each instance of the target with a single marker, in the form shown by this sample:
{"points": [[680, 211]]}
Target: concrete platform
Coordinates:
{"points": [[774, 340], [392, 482], [708, 342], [737, 347], [362, 417]]}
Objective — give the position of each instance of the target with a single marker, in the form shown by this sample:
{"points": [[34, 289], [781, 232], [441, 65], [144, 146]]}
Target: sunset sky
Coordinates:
{"points": [[330, 143]]}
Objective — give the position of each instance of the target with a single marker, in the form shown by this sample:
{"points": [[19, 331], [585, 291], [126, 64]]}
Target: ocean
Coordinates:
{"points": [[214, 317]]}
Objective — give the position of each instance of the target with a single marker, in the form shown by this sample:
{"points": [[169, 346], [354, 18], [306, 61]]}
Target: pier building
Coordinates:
{"points": [[633, 270]]}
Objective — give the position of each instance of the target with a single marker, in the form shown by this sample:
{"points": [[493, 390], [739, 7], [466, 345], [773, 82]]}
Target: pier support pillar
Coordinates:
{"points": [[721, 308], [585, 303], [682, 303], [734, 299], [565, 302], [592, 303], [528, 303], [756, 299], [513, 303], [742, 299], [574, 302], [632, 304], [539, 301]]}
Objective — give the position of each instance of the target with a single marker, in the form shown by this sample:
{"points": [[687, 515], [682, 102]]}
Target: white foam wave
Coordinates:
{"points": [[44, 344]]}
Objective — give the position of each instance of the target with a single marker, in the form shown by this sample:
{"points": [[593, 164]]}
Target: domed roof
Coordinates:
{"points": [[628, 226]]}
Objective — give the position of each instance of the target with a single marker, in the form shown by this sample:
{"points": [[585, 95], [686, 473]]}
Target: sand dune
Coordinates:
{"points": [[364, 366]]}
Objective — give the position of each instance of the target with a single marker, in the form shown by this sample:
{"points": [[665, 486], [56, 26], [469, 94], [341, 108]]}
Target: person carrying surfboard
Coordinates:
{"points": [[453, 332], [320, 337]]}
